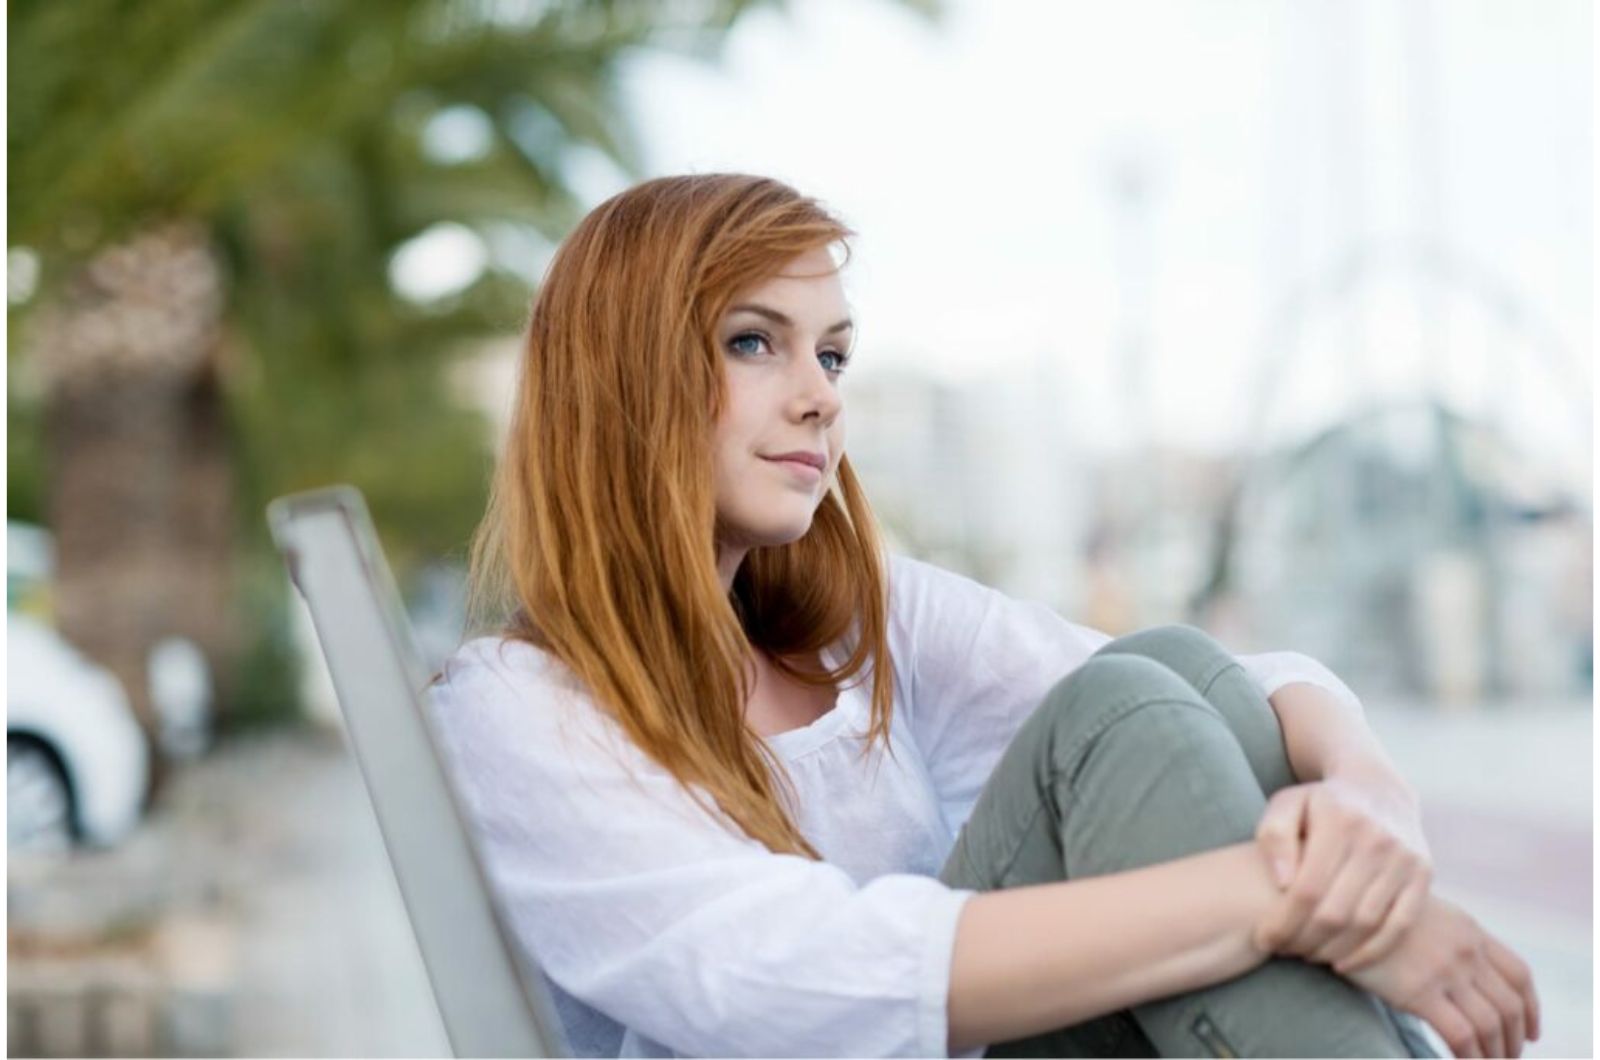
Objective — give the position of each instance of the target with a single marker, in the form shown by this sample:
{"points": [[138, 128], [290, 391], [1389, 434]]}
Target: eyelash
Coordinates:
{"points": [[844, 358]]}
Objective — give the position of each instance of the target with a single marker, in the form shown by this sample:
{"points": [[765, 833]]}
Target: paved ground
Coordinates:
{"points": [[272, 838], [1508, 808]]}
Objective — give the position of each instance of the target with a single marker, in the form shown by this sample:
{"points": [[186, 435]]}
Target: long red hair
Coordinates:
{"points": [[597, 545]]}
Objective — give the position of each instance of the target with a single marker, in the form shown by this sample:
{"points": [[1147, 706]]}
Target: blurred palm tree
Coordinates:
{"points": [[209, 195]]}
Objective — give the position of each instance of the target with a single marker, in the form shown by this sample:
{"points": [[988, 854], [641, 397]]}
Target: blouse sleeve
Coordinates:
{"points": [[981, 662], [646, 907]]}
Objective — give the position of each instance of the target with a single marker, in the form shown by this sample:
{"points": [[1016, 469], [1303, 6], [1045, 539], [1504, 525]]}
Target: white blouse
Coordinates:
{"points": [[664, 931]]}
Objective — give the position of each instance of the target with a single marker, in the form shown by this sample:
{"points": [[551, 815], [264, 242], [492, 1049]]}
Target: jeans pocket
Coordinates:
{"points": [[1411, 1035], [1211, 1037]]}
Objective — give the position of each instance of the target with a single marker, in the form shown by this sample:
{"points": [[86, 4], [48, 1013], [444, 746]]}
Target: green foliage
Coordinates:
{"points": [[266, 682], [119, 111], [24, 461], [342, 380], [296, 132]]}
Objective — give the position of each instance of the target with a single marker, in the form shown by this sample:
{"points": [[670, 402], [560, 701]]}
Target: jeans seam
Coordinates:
{"points": [[1021, 845], [1205, 689], [1113, 716], [970, 871]]}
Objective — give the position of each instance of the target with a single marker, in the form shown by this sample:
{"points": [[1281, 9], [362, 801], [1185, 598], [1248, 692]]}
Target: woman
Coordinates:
{"points": [[718, 752]]}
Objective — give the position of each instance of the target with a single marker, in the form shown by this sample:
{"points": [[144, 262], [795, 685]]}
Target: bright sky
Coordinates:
{"points": [[977, 162], [1304, 153]]}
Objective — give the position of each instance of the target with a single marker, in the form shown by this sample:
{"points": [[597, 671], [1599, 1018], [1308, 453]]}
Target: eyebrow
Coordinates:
{"points": [[778, 318]]}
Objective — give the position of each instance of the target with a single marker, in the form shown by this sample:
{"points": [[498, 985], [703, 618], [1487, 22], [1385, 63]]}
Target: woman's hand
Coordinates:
{"points": [[1473, 990], [1350, 852]]}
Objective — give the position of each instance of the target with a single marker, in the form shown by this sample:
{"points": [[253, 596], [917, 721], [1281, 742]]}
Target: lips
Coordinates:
{"points": [[800, 456]]}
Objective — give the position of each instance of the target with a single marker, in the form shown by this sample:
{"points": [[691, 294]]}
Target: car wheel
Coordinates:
{"points": [[38, 800]]}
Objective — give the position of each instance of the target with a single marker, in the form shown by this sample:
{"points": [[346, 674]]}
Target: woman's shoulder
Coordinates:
{"points": [[499, 652], [505, 694], [507, 656], [496, 668], [924, 589], [913, 571]]}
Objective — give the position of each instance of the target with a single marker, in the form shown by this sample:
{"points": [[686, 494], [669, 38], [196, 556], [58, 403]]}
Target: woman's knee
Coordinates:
{"points": [[1188, 651], [1218, 677], [1121, 691], [1143, 768]]}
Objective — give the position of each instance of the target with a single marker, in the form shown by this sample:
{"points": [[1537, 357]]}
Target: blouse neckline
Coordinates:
{"points": [[792, 743]]}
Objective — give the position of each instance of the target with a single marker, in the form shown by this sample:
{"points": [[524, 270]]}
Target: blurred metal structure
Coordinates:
{"points": [[490, 1003]]}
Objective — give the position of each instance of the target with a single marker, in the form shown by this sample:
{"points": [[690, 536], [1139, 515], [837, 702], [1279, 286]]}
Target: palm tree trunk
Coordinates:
{"points": [[139, 482]]}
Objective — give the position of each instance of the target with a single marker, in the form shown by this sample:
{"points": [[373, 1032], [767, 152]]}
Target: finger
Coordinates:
{"points": [[1452, 1024], [1406, 909], [1326, 848], [1291, 914], [1492, 985], [1484, 1016], [1520, 976], [1333, 920], [1370, 912], [1279, 832]]}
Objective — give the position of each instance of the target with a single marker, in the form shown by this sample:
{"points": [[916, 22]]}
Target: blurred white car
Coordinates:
{"points": [[180, 685], [77, 765]]}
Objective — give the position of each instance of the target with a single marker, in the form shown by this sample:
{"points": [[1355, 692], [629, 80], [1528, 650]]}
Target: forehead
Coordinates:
{"points": [[809, 277]]}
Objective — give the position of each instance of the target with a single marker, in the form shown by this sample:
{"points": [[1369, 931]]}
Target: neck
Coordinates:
{"points": [[728, 560]]}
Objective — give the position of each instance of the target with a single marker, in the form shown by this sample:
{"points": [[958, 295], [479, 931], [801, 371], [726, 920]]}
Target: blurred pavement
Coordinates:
{"points": [[271, 840], [1508, 808]]}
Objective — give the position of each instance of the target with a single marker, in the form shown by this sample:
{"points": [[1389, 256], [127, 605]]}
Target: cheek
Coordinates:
{"points": [[733, 453], [731, 443], [741, 410]]}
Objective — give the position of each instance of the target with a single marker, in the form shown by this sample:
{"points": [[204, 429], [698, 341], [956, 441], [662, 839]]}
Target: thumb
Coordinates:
{"points": [[1278, 833]]}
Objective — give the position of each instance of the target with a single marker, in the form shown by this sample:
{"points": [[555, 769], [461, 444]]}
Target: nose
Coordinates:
{"points": [[815, 394]]}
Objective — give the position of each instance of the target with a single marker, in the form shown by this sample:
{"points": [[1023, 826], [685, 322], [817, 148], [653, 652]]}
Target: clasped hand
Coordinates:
{"points": [[1355, 874], [1354, 866]]}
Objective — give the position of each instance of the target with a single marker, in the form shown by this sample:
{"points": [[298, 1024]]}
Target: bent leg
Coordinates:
{"points": [[1125, 765], [1211, 670]]}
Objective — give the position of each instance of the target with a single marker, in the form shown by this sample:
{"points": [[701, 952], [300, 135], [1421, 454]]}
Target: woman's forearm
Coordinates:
{"points": [[1323, 736], [1032, 959]]}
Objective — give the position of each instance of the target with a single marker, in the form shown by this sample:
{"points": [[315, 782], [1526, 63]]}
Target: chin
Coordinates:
{"points": [[786, 535], [765, 533]]}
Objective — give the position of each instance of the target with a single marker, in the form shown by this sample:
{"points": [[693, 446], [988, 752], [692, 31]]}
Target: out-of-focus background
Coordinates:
{"points": [[1268, 317]]}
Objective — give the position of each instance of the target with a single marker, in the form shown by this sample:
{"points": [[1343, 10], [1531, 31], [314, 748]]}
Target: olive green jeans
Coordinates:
{"points": [[1158, 747]]}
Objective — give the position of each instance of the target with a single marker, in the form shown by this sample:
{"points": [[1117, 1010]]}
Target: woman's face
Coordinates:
{"points": [[784, 343]]}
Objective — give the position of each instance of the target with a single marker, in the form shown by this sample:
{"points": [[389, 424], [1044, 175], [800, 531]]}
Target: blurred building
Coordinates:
{"points": [[1411, 548], [979, 477]]}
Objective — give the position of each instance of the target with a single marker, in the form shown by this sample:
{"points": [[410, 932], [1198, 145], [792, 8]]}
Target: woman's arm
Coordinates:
{"points": [[1325, 738], [1031, 959], [1348, 845]]}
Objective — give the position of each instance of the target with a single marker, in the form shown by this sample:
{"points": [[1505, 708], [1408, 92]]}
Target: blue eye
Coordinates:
{"points": [[750, 336], [735, 346]]}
